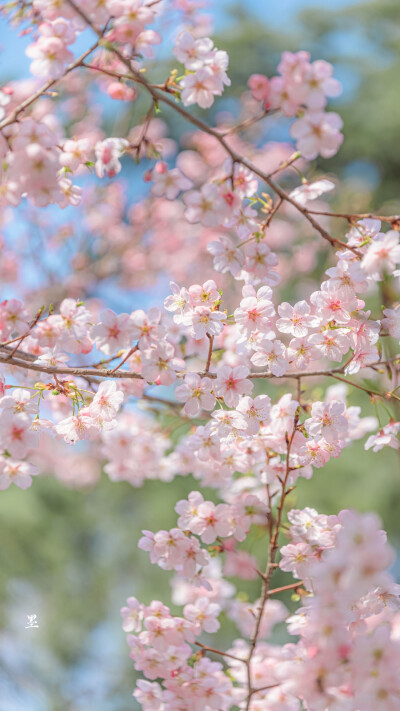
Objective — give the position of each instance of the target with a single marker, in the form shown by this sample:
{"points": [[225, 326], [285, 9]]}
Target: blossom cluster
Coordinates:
{"points": [[301, 90], [348, 647], [206, 69]]}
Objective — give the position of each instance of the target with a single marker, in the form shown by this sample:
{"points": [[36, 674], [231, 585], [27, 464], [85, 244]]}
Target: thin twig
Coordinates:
{"points": [[217, 651]]}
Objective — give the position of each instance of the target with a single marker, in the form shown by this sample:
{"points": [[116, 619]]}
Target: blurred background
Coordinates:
{"points": [[70, 555]]}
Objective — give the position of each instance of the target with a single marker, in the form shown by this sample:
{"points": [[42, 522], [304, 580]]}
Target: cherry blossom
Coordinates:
{"points": [[231, 383], [385, 437], [169, 183], [256, 412], [295, 319], [160, 363], [50, 53], [259, 86], [113, 332], [318, 133], [272, 355], [311, 191], [196, 393], [16, 435], [391, 321], [16, 472], [226, 256], [108, 153], [382, 255], [327, 420]]}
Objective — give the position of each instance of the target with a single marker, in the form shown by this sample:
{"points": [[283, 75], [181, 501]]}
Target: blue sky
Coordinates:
{"points": [[14, 63]]}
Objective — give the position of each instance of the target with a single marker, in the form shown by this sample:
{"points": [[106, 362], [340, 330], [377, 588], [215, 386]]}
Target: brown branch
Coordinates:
{"points": [[20, 339], [210, 350], [271, 565], [393, 219], [217, 651], [263, 688], [24, 360], [292, 586], [128, 355], [51, 82], [158, 96]]}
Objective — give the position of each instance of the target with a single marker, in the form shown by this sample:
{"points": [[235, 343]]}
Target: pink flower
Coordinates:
{"points": [[19, 401], [296, 558], [259, 87], [200, 88], [260, 261], [206, 294], [332, 344], [75, 153], [77, 427], [228, 423], [205, 205], [281, 97], [203, 614], [14, 472], [195, 392], [14, 318], [112, 332], [149, 695], [231, 383], [246, 511], [382, 255], [327, 420], [31, 132], [161, 364], [363, 356], [49, 52], [317, 83], [295, 319], [227, 257], [386, 437], [188, 509], [178, 302], [121, 92], [256, 412], [364, 231], [108, 153], [333, 304], [192, 52], [301, 352], [146, 327], [211, 522], [132, 615], [256, 310], [16, 435], [311, 191], [311, 527], [107, 401], [391, 321], [206, 321], [170, 183], [272, 355], [318, 133], [315, 452]]}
